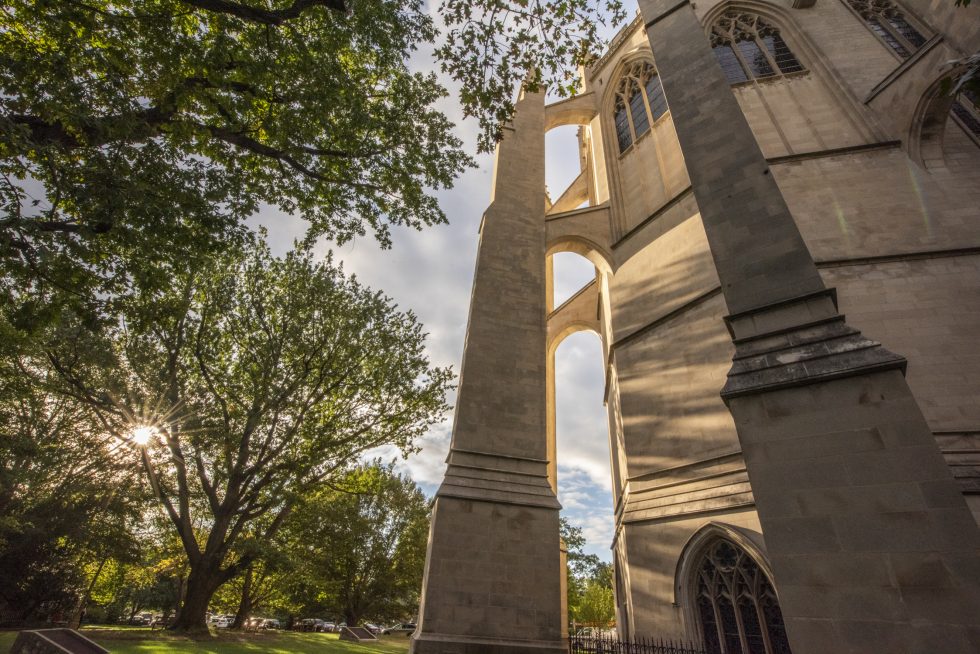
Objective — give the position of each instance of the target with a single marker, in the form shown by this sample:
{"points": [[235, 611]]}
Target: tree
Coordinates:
{"points": [[262, 587], [494, 46], [589, 593], [154, 580], [596, 607], [137, 133], [580, 564], [247, 384], [359, 547]]}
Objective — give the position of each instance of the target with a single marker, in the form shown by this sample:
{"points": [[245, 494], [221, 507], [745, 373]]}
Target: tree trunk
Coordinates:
{"points": [[245, 604], [75, 619], [351, 617], [203, 580]]}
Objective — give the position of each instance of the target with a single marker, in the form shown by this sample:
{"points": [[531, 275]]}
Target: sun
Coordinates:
{"points": [[142, 435]]}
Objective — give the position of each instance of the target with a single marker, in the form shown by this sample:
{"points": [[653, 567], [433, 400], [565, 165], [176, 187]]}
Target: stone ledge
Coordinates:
{"points": [[797, 342], [494, 478], [713, 484]]}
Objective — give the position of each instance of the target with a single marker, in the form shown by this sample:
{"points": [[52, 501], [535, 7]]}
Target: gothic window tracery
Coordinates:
{"points": [[639, 103], [736, 603], [748, 47], [890, 25]]}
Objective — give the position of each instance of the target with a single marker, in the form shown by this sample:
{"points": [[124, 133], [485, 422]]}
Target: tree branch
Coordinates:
{"points": [[265, 16]]}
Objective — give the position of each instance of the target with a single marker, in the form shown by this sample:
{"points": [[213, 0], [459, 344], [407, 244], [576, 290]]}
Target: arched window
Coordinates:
{"points": [[736, 603], [888, 22], [747, 47], [640, 102]]}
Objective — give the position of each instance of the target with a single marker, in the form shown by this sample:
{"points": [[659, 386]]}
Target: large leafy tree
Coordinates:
{"points": [[359, 547], [135, 133], [257, 380]]}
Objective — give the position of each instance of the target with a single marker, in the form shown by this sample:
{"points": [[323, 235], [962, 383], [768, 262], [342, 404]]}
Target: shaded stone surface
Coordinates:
{"points": [[356, 634], [835, 446], [55, 641]]}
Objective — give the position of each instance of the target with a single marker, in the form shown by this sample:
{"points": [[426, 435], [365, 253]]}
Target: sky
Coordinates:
{"points": [[431, 273]]}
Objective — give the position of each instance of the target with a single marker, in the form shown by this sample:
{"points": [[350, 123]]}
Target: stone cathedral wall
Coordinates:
{"points": [[898, 235]]}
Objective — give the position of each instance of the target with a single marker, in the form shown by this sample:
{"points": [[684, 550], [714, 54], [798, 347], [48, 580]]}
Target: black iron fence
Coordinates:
{"points": [[610, 645]]}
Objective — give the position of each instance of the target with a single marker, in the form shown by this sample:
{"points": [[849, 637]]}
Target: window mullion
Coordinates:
{"points": [[719, 623], [770, 56], [763, 625], [629, 115], [749, 73], [646, 103]]}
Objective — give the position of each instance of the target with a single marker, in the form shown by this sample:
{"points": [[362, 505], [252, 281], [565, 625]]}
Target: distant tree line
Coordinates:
{"points": [[589, 582]]}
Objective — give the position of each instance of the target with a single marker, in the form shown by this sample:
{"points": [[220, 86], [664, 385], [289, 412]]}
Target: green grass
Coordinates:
{"points": [[143, 641]]}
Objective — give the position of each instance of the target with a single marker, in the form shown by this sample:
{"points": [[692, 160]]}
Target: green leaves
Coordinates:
{"points": [[493, 46], [359, 547], [139, 133], [589, 595]]}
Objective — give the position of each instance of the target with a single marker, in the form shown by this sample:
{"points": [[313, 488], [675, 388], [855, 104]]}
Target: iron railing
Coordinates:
{"points": [[610, 645]]}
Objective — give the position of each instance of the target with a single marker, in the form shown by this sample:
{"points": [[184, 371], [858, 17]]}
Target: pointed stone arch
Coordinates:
{"points": [[927, 128], [685, 578], [570, 241], [751, 541]]}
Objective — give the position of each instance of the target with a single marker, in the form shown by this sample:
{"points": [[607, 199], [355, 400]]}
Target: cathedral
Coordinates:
{"points": [[781, 200]]}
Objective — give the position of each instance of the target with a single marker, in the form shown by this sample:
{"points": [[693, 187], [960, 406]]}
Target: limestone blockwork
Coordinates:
{"points": [[787, 292]]}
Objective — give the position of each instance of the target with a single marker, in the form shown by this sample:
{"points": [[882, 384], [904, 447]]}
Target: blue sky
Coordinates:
{"points": [[431, 272]]}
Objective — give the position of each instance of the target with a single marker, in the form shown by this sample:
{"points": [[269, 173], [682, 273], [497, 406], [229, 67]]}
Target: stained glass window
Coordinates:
{"points": [[736, 604], [640, 102], [747, 47], [890, 24]]}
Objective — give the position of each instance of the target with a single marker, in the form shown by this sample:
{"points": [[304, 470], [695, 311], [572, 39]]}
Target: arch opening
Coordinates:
{"points": [[566, 167], [572, 273], [582, 439]]}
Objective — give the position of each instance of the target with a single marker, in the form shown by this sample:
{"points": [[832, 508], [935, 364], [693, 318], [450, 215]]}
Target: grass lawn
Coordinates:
{"points": [[144, 641]]}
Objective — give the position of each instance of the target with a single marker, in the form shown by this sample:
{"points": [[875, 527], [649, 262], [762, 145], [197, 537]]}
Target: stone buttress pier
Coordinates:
{"points": [[872, 546], [493, 571]]}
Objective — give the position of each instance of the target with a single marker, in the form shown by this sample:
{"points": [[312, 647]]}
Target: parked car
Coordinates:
{"points": [[271, 623], [327, 627], [141, 619], [407, 628], [373, 628]]}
